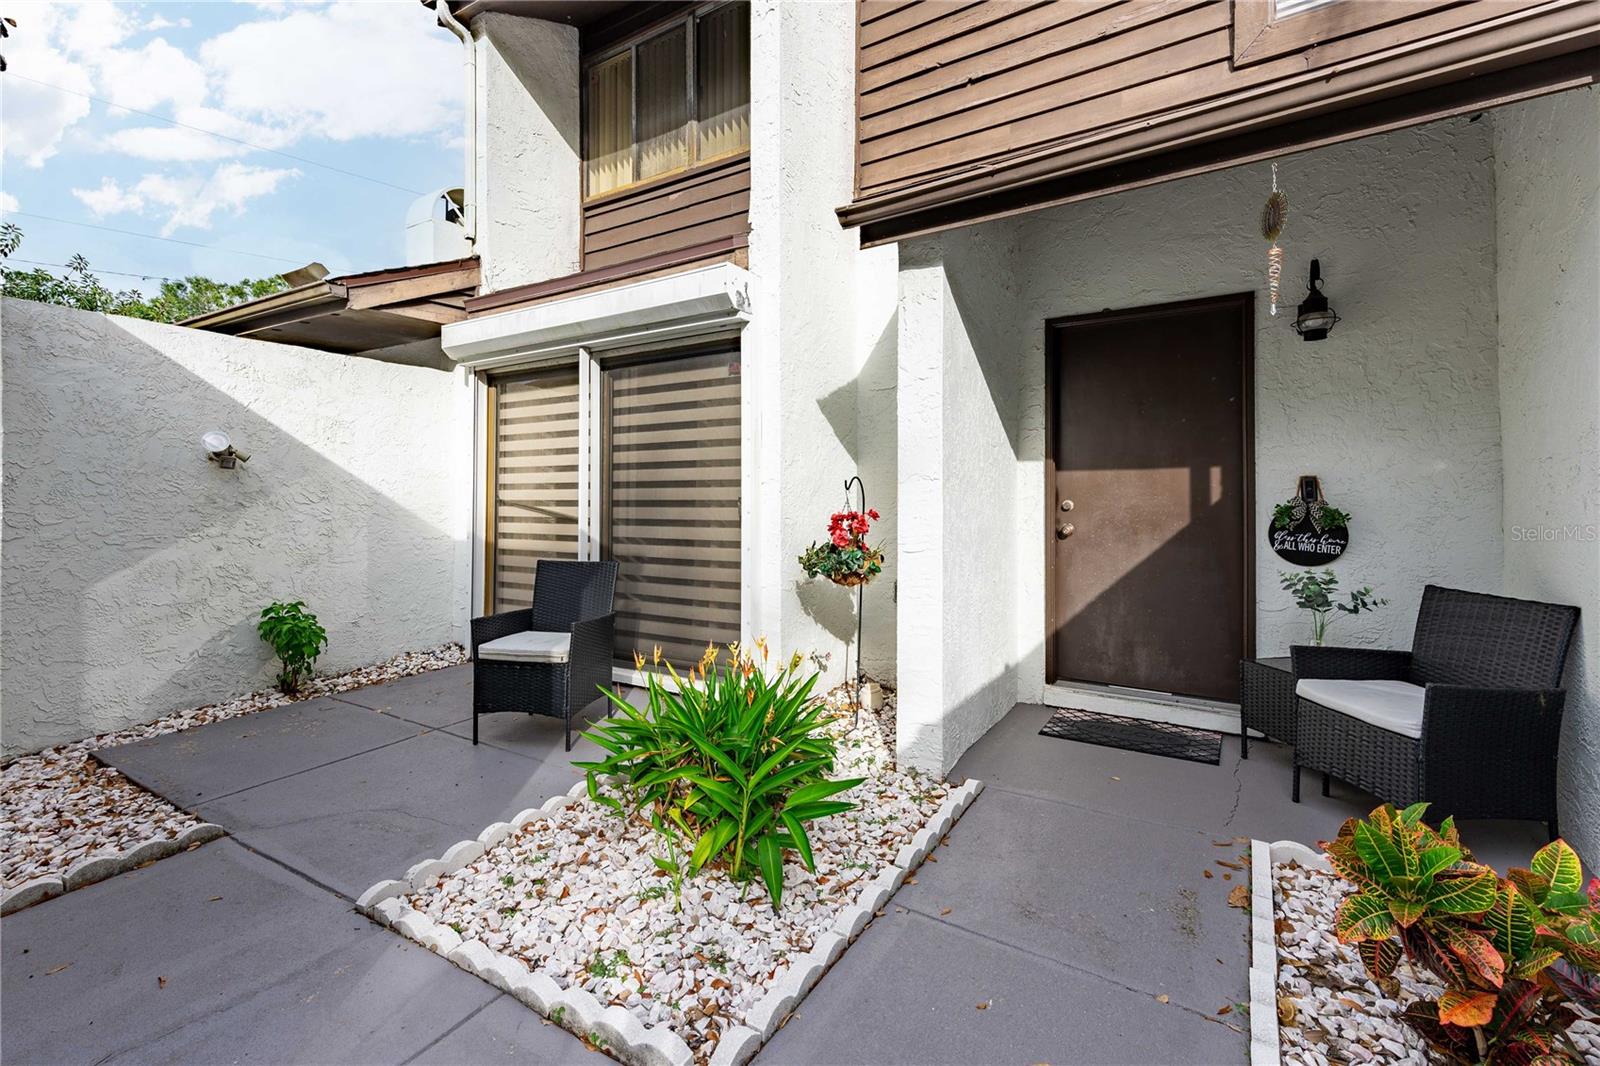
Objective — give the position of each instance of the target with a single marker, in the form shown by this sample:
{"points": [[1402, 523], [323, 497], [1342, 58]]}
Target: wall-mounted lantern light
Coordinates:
{"points": [[1315, 319], [220, 450]]}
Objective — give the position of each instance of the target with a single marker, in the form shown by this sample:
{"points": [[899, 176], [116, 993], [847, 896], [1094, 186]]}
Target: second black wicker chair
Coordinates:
{"points": [[1469, 719], [550, 658]]}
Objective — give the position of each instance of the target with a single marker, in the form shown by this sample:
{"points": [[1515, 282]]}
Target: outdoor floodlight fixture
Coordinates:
{"points": [[220, 450], [1315, 319]]}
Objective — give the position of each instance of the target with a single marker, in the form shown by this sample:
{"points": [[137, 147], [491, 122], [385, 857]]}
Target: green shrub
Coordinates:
{"points": [[733, 759], [1513, 953], [296, 637]]}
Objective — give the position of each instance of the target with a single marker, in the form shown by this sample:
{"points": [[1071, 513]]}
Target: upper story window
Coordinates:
{"points": [[677, 97]]}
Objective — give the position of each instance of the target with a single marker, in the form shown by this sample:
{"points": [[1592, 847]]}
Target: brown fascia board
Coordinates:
{"points": [[1555, 52], [380, 288], [300, 302]]}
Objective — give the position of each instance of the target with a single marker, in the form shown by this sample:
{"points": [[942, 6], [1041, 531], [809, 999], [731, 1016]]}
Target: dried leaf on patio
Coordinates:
{"points": [[1226, 1008], [57, 969], [1229, 865], [985, 1004], [161, 982], [1239, 896], [1208, 874], [1163, 998], [944, 912]]}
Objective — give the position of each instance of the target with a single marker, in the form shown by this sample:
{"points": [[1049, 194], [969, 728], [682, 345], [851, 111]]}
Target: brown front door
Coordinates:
{"points": [[1148, 461]]}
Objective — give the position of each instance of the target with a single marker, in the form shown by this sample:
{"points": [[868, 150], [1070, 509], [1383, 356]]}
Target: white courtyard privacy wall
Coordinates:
{"points": [[1547, 196], [133, 569]]}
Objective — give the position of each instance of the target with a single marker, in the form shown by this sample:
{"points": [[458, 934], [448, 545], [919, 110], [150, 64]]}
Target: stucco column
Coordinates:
{"points": [[958, 379], [529, 195]]}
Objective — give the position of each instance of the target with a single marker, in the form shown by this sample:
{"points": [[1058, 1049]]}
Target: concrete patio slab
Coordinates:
{"points": [[363, 819], [219, 955], [226, 757], [1241, 797], [1124, 899], [909, 992], [436, 698], [507, 1031], [537, 736]]}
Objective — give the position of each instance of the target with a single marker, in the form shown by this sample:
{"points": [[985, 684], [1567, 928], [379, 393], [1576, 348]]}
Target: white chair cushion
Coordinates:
{"points": [[528, 647], [1392, 705]]}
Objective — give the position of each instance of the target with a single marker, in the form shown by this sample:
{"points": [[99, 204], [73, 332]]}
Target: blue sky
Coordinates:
{"points": [[368, 86]]}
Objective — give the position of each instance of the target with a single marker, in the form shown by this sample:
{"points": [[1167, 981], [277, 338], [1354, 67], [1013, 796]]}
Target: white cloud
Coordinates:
{"points": [[147, 77], [348, 70], [186, 200], [9, 202], [109, 199], [161, 22]]}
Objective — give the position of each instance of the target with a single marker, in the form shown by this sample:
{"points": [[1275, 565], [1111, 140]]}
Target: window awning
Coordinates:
{"points": [[657, 312]]}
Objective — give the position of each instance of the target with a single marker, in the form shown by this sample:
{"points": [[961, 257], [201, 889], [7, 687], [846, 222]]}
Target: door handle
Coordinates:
{"points": [[1065, 530]]}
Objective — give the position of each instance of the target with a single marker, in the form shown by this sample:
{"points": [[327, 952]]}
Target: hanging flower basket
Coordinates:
{"points": [[845, 558]]}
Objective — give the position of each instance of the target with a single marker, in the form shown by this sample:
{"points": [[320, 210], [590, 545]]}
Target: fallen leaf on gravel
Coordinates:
{"points": [[57, 969], [1163, 998], [1239, 896], [985, 1004], [1287, 1011]]}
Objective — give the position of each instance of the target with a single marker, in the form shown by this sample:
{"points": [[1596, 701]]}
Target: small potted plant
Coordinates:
{"points": [[1315, 591], [845, 558]]}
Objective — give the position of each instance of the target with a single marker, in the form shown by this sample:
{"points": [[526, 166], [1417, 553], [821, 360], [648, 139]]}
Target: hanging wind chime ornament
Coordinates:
{"points": [[1273, 216]]}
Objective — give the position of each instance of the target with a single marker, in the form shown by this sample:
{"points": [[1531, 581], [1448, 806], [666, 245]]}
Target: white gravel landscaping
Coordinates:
{"points": [[573, 895], [60, 807], [1329, 1009]]}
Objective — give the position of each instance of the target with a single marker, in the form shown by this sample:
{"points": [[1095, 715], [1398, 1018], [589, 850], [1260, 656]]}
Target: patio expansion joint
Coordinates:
{"points": [[1063, 964], [296, 773], [471, 1014]]}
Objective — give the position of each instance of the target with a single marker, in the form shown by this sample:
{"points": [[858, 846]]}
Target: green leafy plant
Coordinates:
{"points": [[731, 757], [296, 637], [1513, 953], [1315, 591]]}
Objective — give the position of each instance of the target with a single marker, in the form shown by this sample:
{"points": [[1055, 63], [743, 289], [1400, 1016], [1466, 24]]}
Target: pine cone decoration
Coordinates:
{"points": [[1274, 215]]}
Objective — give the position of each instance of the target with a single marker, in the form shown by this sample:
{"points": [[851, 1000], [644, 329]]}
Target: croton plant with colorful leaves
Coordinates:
{"points": [[1515, 954]]}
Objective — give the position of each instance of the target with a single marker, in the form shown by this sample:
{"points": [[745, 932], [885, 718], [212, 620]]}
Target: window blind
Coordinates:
{"points": [[722, 88], [672, 513], [663, 103], [608, 116], [535, 479]]}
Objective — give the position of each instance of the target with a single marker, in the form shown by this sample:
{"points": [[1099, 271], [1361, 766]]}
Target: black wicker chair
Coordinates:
{"points": [[571, 599], [1485, 746]]}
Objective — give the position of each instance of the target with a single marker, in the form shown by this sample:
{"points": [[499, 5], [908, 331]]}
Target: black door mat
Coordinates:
{"points": [[1135, 734]]}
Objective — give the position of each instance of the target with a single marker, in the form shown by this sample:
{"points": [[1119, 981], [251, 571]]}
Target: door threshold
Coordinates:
{"points": [[1145, 705]]}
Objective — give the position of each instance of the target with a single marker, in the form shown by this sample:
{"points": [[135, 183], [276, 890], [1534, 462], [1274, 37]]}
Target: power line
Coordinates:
{"points": [[154, 237], [92, 269], [221, 136]]}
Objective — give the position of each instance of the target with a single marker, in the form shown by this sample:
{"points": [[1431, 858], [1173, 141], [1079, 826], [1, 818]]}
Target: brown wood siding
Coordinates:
{"points": [[699, 206], [950, 91]]}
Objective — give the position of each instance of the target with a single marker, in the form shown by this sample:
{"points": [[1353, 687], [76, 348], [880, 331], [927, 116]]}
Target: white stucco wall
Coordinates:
{"points": [[529, 163], [821, 311], [134, 570], [1396, 411], [959, 429], [1547, 195]]}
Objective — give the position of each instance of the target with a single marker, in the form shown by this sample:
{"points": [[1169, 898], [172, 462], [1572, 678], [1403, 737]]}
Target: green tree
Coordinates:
{"points": [[79, 287]]}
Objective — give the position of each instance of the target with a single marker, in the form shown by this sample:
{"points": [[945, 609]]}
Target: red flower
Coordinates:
{"points": [[872, 515], [841, 539]]}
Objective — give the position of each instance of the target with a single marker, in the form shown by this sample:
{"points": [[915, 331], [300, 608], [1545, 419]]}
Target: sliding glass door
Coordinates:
{"points": [[654, 484]]}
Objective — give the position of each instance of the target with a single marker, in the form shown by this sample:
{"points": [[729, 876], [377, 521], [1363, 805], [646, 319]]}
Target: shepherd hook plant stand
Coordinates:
{"points": [[861, 589]]}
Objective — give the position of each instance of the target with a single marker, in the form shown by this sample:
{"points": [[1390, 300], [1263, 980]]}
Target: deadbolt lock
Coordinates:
{"points": [[1065, 530], [1066, 505]]}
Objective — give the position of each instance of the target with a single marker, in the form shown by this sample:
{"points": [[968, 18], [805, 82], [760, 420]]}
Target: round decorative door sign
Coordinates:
{"points": [[1305, 530]]}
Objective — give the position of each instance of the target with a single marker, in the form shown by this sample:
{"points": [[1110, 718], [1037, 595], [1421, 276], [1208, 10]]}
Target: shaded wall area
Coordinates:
{"points": [[1547, 205], [133, 570]]}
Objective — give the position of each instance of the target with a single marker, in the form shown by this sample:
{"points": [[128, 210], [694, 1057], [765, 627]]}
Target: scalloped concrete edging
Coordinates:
{"points": [[99, 867], [578, 1011], [1265, 1049]]}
